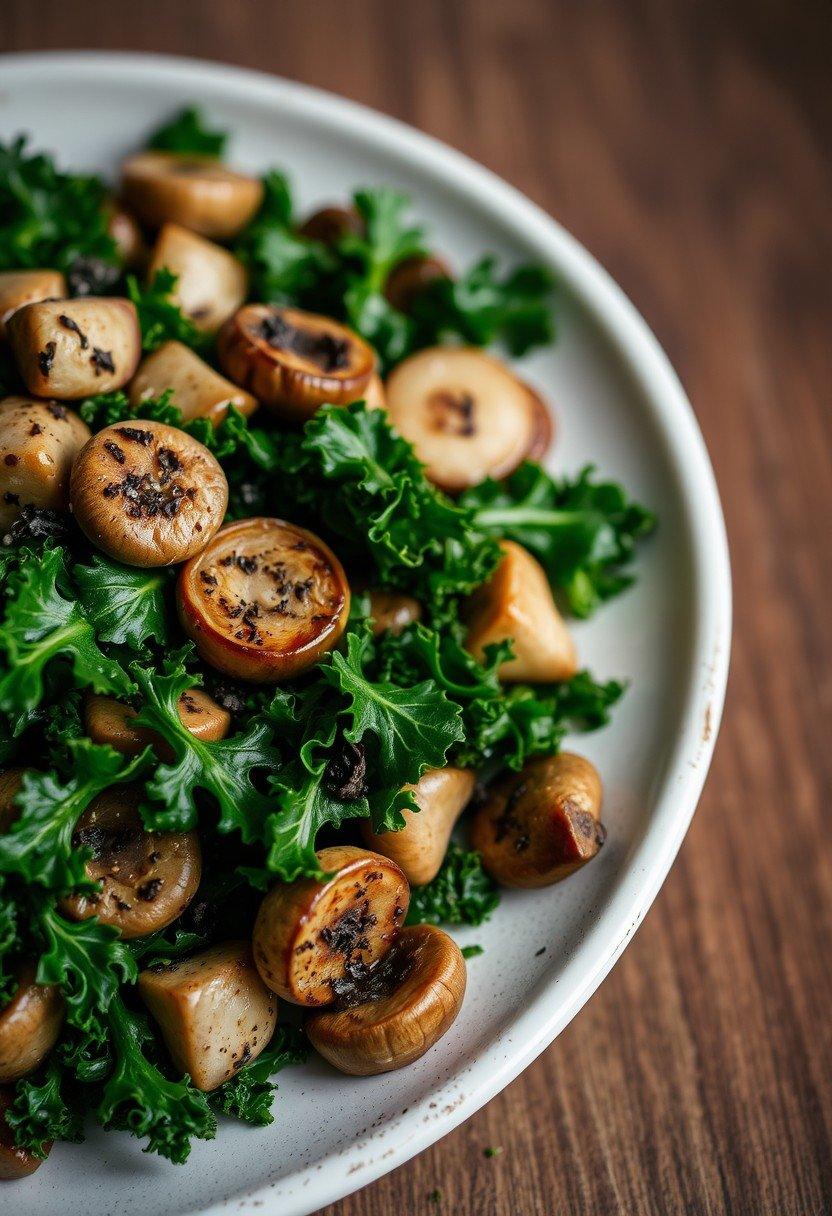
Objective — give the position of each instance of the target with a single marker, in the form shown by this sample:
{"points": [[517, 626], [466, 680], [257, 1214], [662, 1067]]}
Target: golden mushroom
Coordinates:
{"points": [[19, 287], [329, 224], [211, 283], [420, 846], [392, 612], [195, 191], [411, 277], [110, 721], [39, 441], [29, 1025], [123, 227], [198, 391]]}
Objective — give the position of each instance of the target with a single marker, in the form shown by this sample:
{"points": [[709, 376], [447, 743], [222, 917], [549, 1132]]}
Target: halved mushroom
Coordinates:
{"points": [[411, 277], [147, 878], [404, 1006], [517, 603], [315, 938], [39, 441], [19, 287], [392, 612], [214, 1011], [464, 412], [211, 283], [15, 1162], [147, 494], [124, 228], [195, 191], [539, 825], [329, 224], [72, 349], [110, 721], [198, 391], [419, 847], [294, 361], [264, 600], [29, 1025]]}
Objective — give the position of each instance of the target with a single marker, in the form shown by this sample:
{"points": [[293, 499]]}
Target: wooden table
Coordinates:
{"points": [[688, 146]]}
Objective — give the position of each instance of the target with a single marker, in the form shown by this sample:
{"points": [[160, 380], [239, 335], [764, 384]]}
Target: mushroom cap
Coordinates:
{"points": [[410, 277], [211, 283], [198, 391], [29, 1025], [195, 191], [409, 1001], [19, 287], [110, 721], [420, 846], [392, 612], [329, 224], [39, 441]]}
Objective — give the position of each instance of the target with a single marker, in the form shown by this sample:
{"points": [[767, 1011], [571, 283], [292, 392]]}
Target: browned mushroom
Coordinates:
{"points": [[466, 415], [313, 938], [294, 361], [517, 603], [411, 277], [70, 349], [110, 721], [123, 227], [198, 391], [39, 441], [194, 191], [147, 878], [399, 1010], [214, 1011], [329, 224], [19, 287], [419, 847], [539, 825], [211, 283], [544, 426], [264, 600], [392, 612], [147, 494], [15, 1162], [29, 1025]]}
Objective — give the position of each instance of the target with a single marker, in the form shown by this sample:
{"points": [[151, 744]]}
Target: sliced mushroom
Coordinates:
{"points": [[466, 415], [195, 191], [419, 847], [539, 825], [314, 938], [264, 600], [294, 361], [329, 224], [404, 1006], [198, 391], [124, 228], [147, 878], [517, 603], [29, 1025], [147, 494], [70, 349], [392, 612], [15, 1162], [214, 1011], [411, 277], [19, 287], [39, 441], [211, 283], [110, 721]]}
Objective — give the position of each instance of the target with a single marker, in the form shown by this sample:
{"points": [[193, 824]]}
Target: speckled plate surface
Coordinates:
{"points": [[618, 403]]}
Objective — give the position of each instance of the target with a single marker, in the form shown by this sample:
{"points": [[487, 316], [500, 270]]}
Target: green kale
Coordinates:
{"points": [[461, 894], [42, 1111], [187, 132], [284, 267], [125, 605], [249, 1094], [11, 943], [88, 961], [472, 951], [160, 317]]}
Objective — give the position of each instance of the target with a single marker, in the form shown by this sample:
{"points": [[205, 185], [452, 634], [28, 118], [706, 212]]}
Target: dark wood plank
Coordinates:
{"points": [[688, 145]]}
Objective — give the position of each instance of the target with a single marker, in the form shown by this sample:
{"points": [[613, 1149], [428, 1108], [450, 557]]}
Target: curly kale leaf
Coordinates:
{"points": [[11, 942], [249, 1094], [160, 317], [284, 267], [187, 132], [43, 1111], [460, 894], [126, 605], [89, 962]]}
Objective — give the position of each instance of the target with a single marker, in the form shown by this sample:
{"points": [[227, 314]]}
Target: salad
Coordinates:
{"points": [[285, 649]]}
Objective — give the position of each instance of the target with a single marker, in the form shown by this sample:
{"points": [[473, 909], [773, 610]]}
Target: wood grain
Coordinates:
{"points": [[687, 144]]}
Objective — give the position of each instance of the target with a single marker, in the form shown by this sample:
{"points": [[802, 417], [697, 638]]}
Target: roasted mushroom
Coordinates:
{"points": [[19, 287], [15, 1162], [329, 224], [411, 277], [392, 612], [70, 349], [399, 1010], [211, 283], [39, 441], [29, 1025], [539, 825], [294, 361], [147, 878], [264, 600], [198, 391], [147, 494], [315, 938], [517, 603], [194, 191], [214, 1011], [110, 721], [466, 415], [419, 847], [123, 227]]}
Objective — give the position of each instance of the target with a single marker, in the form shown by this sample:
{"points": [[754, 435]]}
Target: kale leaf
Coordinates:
{"points": [[88, 961], [460, 894], [125, 605], [284, 267], [187, 132], [160, 317], [249, 1094], [42, 1111]]}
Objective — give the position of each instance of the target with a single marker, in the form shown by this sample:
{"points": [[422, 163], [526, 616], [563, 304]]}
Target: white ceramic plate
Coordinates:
{"points": [[618, 404]]}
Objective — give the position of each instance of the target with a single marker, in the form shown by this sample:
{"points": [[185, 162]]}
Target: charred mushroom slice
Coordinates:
{"points": [[419, 847], [294, 361], [411, 277], [517, 603], [392, 612], [539, 825], [329, 224], [405, 1005], [39, 441], [315, 939], [466, 415], [198, 391], [70, 349], [264, 600], [147, 878], [15, 1162], [195, 191], [19, 287], [29, 1025], [147, 494], [110, 721], [214, 1011], [211, 283]]}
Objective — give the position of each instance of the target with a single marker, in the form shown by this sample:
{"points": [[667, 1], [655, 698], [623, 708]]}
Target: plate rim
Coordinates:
{"points": [[680, 786]]}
